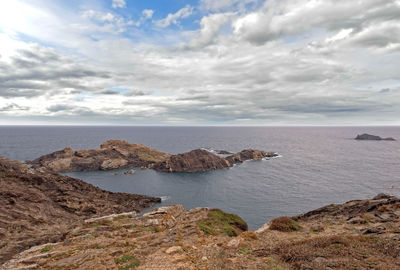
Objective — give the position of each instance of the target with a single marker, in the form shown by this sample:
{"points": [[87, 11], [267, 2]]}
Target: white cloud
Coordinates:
{"points": [[289, 62], [175, 17], [118, 3], [210, 28], [147, 13], [219, 5]]}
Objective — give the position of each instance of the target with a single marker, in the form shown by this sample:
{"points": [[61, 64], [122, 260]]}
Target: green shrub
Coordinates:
{"points": [[219, 222]]}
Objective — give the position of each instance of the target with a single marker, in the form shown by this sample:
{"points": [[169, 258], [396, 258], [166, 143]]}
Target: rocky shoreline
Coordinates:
{"points": [[362, 234], [39, 207], [50, 221], [115, 154]]}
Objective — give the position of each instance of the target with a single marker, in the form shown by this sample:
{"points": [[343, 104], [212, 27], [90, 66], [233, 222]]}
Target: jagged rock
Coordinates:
{"points": [[194, 161], [40, 207], [381, 196], [370, 137], [130, 172], [113, 154], [223, 152], [116, 154], [249, 154]]}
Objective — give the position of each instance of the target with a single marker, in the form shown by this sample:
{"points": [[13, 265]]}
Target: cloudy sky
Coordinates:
{"points": [[200, 62]]}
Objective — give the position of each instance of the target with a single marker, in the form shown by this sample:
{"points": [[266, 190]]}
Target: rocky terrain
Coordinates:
{"points": [[368, 137], [39, 207], [116, 154], [363, 234], [194, 161], [113, 154]]}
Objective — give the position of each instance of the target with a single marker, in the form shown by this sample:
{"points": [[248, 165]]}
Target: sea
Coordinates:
{"points": [[316, 166]]}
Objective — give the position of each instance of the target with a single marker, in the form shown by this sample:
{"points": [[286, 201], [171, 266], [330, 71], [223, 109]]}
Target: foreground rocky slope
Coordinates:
{"points": [[356, 235], [116, 154], [38, 207]]}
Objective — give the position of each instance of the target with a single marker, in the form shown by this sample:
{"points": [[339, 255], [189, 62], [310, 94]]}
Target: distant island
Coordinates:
{"points": [[116, 154], [369, 137]]}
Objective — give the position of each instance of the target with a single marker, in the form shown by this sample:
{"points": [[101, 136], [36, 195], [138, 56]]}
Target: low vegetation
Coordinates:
{"points": [[219, 222], [284, 224], [341, 252], [127, 262]]}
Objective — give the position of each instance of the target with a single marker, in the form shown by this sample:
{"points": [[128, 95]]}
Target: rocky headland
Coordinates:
{"points": [[38, 207], [115, 154], [362, 234], [369, 137]]}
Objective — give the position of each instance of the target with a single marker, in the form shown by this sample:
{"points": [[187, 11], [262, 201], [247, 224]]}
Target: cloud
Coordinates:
{"points": [[118, 3], [278, 19], [286, 62], [108, 21], [220, 5], [175, 17], [147, 13], [210, 28]]}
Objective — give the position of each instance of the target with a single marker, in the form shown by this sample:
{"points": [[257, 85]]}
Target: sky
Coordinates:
{"points": [[200, 62]]}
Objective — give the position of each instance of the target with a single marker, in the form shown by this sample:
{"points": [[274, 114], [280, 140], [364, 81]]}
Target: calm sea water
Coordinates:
{"points": [[319, 165]]}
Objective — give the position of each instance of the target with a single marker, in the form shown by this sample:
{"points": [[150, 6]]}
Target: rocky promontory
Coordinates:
{"points": [[38, 207], [369, 137], [115, 154]]}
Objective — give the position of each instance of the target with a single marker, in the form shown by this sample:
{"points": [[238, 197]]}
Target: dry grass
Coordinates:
{"points": [[284, 224], [341, 252]]}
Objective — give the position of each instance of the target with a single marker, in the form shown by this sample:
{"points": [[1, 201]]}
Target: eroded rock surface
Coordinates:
{"points": [[171, 238], [194, 161], [38, 207], [113, 154], [249, 154], [116, 154]]}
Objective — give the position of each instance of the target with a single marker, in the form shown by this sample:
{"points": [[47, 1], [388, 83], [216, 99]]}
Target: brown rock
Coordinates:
{"points": [[194, 161], [249, 154], [40, 207], [113, 154]]}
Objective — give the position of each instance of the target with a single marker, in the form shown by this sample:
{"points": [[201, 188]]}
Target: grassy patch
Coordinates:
{"points": [[46, 249], [284, 224], [219, 222], [127, 261], [244, 251], [120, 217], [271, 264], [341, 252]]}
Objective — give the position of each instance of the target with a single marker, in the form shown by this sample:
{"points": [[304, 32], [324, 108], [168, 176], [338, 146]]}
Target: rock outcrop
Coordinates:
{"points": [[356, 235], [249, 154], [39, 207], [113, 154], [368, 137], [194, 161], [116, 154]]}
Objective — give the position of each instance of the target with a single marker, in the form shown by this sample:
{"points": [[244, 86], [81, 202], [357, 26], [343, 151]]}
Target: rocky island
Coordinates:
{"points": [[115, 154], [368, 137]]}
